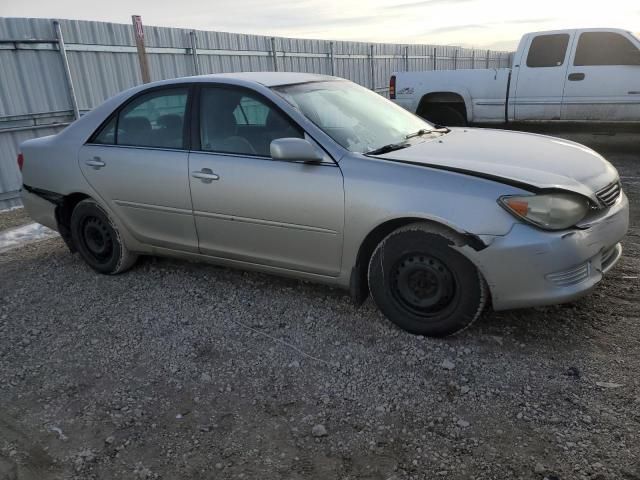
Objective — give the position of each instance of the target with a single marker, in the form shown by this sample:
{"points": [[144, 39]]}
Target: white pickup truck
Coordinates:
{"points": [[584, 75]]}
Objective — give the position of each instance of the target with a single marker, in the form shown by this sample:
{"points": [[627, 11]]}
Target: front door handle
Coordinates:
{"points": [[96, 163], [206, 175], [576, 77]]}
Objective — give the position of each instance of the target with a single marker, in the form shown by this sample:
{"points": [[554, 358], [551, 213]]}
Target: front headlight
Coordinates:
{"points": [[551, 211]]}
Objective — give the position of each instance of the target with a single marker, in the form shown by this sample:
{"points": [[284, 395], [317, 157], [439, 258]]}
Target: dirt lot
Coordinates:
{"points": [[184, 371]]}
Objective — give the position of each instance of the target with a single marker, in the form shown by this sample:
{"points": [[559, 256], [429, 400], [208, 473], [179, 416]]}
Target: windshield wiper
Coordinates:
{"points": [[424, 131], [387, 148]]}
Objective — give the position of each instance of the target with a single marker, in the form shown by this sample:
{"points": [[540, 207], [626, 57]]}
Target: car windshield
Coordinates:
{"points": [[355, 117]]}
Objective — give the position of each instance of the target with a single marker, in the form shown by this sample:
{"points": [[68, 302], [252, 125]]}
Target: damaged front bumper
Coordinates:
{"points": [[531, 267]]}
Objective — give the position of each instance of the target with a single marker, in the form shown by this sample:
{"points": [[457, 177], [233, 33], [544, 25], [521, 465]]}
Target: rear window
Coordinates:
{"points": [[154, 119], [605, 48], [548, 50]]}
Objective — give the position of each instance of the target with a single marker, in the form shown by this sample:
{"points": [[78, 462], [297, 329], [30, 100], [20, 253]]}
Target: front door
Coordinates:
{"points": [[139, 165], [603, 81], [251, 208], [541, 77]]}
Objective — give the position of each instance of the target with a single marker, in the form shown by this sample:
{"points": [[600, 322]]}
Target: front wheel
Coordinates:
{"points": [[422, 284], [98, 240]]}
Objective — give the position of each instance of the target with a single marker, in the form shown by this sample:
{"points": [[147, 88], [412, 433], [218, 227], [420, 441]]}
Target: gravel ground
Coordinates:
{"points": [[13, 218], [177, 370]]}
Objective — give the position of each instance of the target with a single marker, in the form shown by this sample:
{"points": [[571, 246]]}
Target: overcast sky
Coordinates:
{"points": [[482, 23]]}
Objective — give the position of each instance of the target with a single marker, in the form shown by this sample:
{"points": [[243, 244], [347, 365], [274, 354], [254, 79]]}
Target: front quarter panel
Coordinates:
{"points": [[377, 191]]}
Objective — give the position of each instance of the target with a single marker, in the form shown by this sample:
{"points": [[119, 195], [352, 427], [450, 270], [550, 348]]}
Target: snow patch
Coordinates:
{"points": [[17, 237]]}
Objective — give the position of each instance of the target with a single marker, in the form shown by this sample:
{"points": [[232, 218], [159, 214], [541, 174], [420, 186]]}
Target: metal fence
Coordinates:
{"points": [[52, 71]]}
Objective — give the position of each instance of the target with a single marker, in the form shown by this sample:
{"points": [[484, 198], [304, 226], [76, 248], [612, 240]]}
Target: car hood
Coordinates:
{"points": [[524, 159]]}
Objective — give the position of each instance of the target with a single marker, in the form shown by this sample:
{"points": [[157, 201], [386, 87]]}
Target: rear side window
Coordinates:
{"points": [[548, 50], [155, 120], [605, 48]]}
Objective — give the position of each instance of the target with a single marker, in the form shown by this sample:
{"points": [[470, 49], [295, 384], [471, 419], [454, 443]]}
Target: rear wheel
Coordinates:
{"points": [[446, 115], [98, 240], [422, 284]]}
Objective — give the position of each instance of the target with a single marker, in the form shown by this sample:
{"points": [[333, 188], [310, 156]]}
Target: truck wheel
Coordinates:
{"points": [[445, 115], [422, 284], [97, 239]]}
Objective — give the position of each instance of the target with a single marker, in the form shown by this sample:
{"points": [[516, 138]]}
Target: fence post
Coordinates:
{"points": [[473, 59], [332, 59], [435, 61], [273, 54], [488, 52], [406, 58], [67, 70], [455, 59], [373, 68], [138, 33], [194, 52]]}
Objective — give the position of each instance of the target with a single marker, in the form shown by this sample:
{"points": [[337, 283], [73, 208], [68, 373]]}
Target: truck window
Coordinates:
{"points": [[548, 50], [605, 48]]}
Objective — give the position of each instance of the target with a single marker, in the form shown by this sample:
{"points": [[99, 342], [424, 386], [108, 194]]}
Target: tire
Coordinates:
{"points": [[97, 239], [445, 115], [422, 284]]}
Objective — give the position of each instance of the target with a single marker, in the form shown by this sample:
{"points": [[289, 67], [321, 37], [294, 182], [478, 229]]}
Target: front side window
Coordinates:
{"points": [[240, 122], [548, 50], [355, 117], [605, 48], [155, 119]]}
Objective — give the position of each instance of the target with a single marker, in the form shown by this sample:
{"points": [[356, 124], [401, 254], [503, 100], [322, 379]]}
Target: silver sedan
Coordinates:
{"points": [[317, 178]]}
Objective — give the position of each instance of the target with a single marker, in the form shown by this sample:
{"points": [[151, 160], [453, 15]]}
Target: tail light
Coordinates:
{"points": [[392, 87], [20, 161]]}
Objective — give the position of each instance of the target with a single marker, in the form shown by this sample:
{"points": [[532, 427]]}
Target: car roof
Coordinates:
{"points": [[268, 79]]}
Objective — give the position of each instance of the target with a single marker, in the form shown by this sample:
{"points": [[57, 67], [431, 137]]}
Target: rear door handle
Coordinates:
{"points": [[96, 163], [576, 77], [206, 175]]}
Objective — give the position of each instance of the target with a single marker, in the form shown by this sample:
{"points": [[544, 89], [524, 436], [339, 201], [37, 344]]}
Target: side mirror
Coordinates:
{"points": [[294, 150]]}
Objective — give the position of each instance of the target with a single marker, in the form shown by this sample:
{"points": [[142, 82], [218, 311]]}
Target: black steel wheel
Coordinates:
{"points": [[98, 240], [424, 285]]}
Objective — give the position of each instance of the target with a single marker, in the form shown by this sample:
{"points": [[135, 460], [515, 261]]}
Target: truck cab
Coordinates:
{"points": [[582, 75]]}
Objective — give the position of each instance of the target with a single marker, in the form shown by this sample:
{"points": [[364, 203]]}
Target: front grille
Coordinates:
{"points": [[609, 194], [570, 277]]}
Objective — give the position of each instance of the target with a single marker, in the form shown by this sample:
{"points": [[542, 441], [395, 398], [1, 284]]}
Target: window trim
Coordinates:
{"points": [[189, 87], [191, 138], [565, 58]]}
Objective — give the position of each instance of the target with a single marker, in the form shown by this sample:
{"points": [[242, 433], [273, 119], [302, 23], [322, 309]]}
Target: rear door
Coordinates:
{"points": [[541, 77], [251, 208], [138, 164], [603, 81]]}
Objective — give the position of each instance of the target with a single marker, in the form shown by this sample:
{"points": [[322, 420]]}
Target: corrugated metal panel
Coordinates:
{"points": [[10, 178], [33, 78]]}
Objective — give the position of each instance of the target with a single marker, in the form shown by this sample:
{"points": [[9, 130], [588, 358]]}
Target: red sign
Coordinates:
{"points": [[137, 22]]}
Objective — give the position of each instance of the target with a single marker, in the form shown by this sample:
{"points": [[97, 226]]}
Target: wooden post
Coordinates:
{"points": [[138, 33], [406, 58], [435, 61], [194, 51], [274, 54], [332, 58], [372, 66]]}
